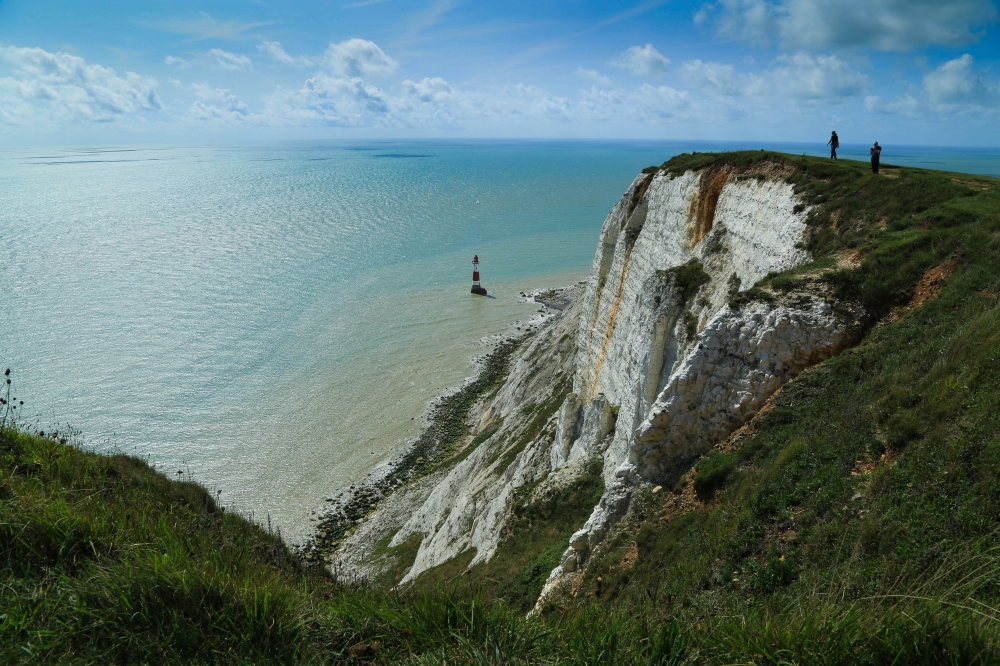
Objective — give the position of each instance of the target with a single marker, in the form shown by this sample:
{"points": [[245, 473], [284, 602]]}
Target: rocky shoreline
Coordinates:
{"points": [[439, 441], [444, 437]]}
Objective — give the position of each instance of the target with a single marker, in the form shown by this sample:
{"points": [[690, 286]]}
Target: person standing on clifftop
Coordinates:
{"points": [[875, 151], [834, 143]]}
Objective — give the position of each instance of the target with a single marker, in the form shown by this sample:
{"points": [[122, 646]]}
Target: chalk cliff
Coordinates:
{"points": [[660, 356]]}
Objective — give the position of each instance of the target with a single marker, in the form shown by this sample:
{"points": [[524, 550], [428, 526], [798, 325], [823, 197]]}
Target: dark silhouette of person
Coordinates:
{"points": [[875, 151], [834, 143]]}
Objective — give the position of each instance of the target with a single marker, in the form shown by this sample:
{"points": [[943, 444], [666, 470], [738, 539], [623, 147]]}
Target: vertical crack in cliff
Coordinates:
{"points": [[703, 204], [611, 322]]}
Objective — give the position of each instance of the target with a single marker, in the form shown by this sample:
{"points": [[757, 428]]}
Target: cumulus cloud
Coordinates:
{"points": [[358, 58], [331, 101], [643, 61], [801, 76], [434, 90], [231, 62], [338, 94], [957, 82], [805, 76], [430, 101], [889, 25], [66, 88], [956, 87], [217, 104], [277, 53], [593, 76]]}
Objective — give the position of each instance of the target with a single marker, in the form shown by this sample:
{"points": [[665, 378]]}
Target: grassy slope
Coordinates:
{"points": [[105, 561], [815, 549], [859, 520]]}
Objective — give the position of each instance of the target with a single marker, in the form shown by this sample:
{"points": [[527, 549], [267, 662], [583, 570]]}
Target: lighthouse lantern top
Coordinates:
{"points": [[475, 259]]}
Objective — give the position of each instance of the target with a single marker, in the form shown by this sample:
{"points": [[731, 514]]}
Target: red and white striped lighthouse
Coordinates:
{"points": [[476, 287]]}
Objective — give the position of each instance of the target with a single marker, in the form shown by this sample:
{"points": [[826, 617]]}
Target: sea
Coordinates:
{"points": [[273, 321]]}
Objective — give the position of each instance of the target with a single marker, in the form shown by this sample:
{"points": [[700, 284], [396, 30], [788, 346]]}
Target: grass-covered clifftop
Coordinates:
{"points": [[854, 521], [868, 495]]}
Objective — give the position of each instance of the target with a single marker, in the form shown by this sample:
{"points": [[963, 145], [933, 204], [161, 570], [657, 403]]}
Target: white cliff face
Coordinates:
{"points": [[741, 358], [682, 368], [468, 508], [655, 367], [633, 330]]}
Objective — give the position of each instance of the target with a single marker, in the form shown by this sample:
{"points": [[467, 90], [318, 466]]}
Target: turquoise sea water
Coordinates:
{"points": [[274, 320]]}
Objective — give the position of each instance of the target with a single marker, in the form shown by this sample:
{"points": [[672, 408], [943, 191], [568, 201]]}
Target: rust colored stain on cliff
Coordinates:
{"points": [[703, 204], [611, 323], [637, 194]]}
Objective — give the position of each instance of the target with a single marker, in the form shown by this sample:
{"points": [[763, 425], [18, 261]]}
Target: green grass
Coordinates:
{"points": [[535, 539], [106, 561], [688, 278], [858, 523], [865, 506]]}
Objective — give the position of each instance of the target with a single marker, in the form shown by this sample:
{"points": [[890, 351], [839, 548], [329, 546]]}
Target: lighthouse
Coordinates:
{"points": [[476, 287]]}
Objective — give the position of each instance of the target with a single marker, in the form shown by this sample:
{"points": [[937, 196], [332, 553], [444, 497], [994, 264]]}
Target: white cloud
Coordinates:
{"points": [[954, 88], [329, 100], [179, 63], [593, 76], [956, 82], [213, 58], [908, 105], [716, 78], [430, 101], [279, 54], [434, 90], [204, 27], [820, 77], [643, 61], [801, 76], [889, 25], [231, 62], [662, 101], [217, 104], [358, 58], [646, 104], [64, 88]]}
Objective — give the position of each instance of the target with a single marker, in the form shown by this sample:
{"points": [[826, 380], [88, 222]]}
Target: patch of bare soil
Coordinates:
{"points": [[931, 283], [713, 179], [628, 561], [974, 184], [927, 289], [703, 204], [849, 258]]}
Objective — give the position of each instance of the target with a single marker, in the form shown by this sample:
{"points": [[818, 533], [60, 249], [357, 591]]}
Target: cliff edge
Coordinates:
{"points": [[654, 360]]}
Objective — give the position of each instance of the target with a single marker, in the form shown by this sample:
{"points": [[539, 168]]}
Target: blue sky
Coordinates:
{"points": [[920, 72]]}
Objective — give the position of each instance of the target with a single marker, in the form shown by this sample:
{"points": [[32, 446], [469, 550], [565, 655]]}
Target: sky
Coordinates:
{"points": [[916, 72]]}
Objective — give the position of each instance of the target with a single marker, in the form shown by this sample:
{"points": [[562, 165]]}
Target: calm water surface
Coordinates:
{"points": [[275, 320]]}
